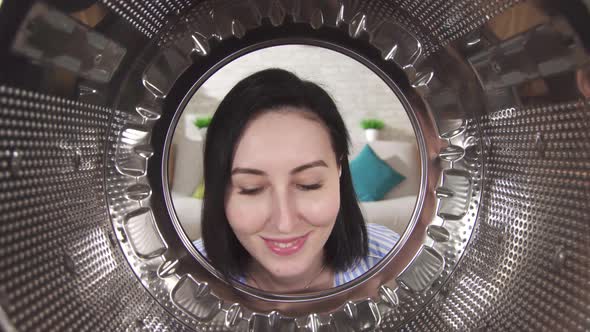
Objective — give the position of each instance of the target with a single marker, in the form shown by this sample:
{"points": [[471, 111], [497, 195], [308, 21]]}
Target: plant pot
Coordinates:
{"points": [[371, 134], [203, 132]]}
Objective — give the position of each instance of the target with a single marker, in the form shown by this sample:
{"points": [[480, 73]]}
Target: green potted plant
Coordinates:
{"points": [[372, 127], [202, 122]]}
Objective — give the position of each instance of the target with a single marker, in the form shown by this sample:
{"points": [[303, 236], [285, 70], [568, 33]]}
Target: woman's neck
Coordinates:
{"points": [[317, 277]]}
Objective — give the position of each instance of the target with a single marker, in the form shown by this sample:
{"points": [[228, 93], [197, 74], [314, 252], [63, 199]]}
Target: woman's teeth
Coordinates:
{"points": [[283, 245]]}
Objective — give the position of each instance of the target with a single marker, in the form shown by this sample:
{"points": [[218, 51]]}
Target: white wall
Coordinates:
{"points": [[357, 91]]}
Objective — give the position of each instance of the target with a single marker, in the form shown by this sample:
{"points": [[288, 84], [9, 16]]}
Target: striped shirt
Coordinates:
{"points": [[381, 241]]}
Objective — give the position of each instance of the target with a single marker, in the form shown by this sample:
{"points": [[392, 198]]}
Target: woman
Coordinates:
{"points": [[279, 211]]}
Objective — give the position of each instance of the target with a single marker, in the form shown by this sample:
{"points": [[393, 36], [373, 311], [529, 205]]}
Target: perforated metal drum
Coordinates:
{"points": [[498, 92]]}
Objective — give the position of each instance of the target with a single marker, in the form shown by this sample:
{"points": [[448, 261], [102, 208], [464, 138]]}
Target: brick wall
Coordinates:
{"points": [[357, 91]]}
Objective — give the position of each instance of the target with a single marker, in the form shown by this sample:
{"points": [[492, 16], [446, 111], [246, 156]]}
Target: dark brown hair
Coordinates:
{"points": [[267, 91]]}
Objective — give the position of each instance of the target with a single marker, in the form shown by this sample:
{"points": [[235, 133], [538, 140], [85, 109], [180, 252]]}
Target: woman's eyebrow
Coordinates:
{"points": [[317, 163], [241, 170], [253, 171]]}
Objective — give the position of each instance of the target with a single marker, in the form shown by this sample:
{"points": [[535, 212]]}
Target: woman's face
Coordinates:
{"points": [[284, 193]]}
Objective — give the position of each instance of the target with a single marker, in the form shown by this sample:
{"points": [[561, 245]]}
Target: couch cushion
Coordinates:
{"points": [[199, 191], [188, 212], [371, 176], [401, 156]]}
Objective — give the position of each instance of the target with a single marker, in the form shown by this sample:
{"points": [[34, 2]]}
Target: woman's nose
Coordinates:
{"points": [[284, 213]]}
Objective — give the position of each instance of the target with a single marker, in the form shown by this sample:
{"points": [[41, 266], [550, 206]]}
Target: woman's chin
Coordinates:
{"points": [[291, 269], [286, 274]]}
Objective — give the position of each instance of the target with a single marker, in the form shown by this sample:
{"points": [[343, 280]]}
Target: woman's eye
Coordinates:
{"points": [[250, 191], [307, 187]]}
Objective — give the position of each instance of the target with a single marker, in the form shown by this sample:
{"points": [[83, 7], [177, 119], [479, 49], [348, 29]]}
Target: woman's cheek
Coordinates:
{"points": [[246, 214], [322, 209]]}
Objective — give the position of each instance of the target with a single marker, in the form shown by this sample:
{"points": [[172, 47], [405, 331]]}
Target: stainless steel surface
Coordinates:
{"points": [[86, 53], [500, 239]]}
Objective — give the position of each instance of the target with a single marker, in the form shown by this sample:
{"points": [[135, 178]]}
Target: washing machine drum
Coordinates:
{"points": [[99, 228]]}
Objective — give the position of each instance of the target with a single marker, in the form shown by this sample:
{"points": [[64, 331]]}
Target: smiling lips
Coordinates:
{"points": [[286, 247]]}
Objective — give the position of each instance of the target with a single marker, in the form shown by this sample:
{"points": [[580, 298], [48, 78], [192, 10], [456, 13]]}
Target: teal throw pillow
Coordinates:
{"points": [[372, 177]]}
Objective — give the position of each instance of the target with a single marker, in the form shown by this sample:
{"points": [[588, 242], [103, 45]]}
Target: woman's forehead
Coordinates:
{"points": [[284, 136]]}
